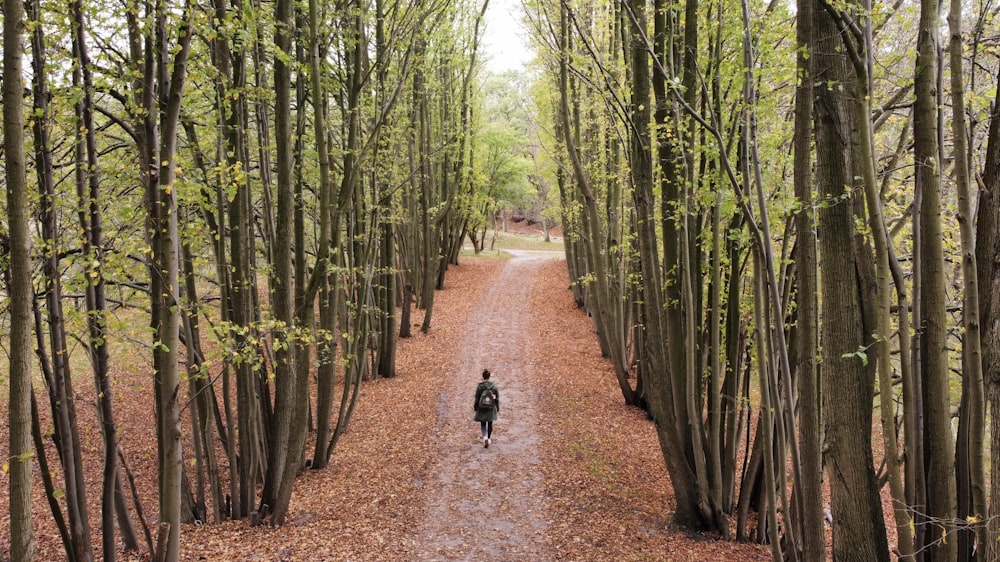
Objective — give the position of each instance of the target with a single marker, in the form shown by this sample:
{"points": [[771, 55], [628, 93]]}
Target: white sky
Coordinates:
{"points": [[505, 39]]}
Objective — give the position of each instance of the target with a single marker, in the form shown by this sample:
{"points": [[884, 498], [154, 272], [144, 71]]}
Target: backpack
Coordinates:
{"points": [[486, 399]]}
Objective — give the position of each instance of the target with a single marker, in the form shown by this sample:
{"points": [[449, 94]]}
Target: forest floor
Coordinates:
{"points": [[572, 473]]}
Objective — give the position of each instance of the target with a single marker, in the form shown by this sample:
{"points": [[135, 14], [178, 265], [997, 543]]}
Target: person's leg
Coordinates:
{"points": [[489, 430], [482, 429]]}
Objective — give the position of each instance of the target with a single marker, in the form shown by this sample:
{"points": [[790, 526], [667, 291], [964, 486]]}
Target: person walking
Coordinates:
{"points": [[487, 406]]}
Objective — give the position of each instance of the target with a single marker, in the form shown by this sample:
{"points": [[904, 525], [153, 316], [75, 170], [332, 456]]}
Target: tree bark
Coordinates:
{"points": [[641, 157], [970, 465], [938, 440], [858, 527], [22, 536], [282, 462], [988, 260], [807, 309], [164, 83]]}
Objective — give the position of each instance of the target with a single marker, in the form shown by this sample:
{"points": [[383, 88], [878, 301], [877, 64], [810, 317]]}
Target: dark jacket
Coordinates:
{"points": [[487, 415]]}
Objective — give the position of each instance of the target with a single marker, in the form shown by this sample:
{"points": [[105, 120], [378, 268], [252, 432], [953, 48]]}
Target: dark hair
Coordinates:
{"points": [[486, 374]]}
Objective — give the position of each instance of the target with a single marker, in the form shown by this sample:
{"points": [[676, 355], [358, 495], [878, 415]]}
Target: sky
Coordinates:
{"points": [[505, 39]]}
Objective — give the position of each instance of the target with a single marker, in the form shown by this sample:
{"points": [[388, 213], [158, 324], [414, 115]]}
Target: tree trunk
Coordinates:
{"points": [[88, 186], [58, 377], [858, 527], [325, 341], [807, 309], [972, 421], [988, 260], [22, 535], [769, 510], [593, 247], [428, 254], [282, 462], [641, 158], [304, 286], [938, 440], [387, 296], [164, 84], [202, 391], [326, 371], [859, 49], [237, 272]]}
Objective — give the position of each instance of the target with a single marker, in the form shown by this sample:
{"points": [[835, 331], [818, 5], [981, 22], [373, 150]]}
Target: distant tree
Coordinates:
{"points": [[502, 171]]}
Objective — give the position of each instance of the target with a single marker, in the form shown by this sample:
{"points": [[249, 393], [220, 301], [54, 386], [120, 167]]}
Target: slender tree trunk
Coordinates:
{"points": [[93, 247], [858, 527], [769, 509], [782, 385], [734, 386], [282, 462], [596, 253], [641, 158], [428, 245], [304, 288], [938, 440], [883, 255], [57, 374], [672, 171], [203, 389], [387, 340], [162, 233], [807, 309], [883, 331], [22, 535], [244, 436], [972, 421], [326, 356], [569, 222], [325, 344], [988, 260]]}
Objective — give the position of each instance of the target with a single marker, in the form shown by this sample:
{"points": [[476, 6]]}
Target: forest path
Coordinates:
{"points": [[573, 474], [488, 503]]}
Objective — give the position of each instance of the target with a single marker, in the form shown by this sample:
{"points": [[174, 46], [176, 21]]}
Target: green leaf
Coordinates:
{"points": [[860, 354]]}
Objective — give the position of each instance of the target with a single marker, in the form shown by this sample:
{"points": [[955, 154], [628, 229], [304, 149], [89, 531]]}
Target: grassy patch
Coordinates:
{"points": [[485, 254], [512, 241], [497, 248]]}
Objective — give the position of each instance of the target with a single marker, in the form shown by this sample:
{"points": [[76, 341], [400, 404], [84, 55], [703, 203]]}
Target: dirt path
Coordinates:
{"points": [[572, 475], [488, 504]]}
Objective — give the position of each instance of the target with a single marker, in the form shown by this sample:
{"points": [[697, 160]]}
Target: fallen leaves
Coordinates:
{"points": [[598, 465]]}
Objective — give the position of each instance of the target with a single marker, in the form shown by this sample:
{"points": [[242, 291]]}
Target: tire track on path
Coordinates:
{"points": [[488, 504]]}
